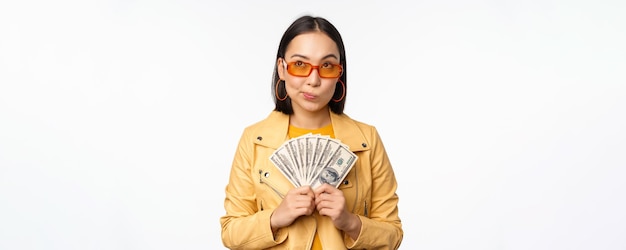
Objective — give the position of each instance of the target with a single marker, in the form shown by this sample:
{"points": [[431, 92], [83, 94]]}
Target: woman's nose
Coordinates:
{"points": [[314, 78]]}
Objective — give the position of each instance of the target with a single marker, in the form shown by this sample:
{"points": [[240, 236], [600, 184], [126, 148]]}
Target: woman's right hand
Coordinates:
{"points": [[298, 201]]}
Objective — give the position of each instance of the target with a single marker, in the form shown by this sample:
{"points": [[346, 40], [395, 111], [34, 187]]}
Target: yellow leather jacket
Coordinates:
{"points": [[256, 187]]}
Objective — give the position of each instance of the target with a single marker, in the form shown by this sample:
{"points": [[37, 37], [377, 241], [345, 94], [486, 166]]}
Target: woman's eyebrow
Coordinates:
{"points": [[307, 58]]}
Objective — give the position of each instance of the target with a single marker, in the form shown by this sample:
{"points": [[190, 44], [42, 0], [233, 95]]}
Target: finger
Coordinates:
{"points": [[320, 205], [305, 190], [324, 203], [317, 202], [306, 207], [324, 188], [324, 209], [320, 198], [304, 200], [301, 190]]}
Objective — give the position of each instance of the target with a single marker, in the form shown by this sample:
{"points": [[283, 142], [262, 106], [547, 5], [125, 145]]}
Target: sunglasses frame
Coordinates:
{"points": [[286, 64]]}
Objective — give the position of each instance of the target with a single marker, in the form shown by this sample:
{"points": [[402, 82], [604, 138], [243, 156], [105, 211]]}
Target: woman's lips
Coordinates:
{"points": [[309, 96]]}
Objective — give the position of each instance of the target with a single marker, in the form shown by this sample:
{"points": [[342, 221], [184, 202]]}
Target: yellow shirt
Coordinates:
{"points": [[295, 132]]}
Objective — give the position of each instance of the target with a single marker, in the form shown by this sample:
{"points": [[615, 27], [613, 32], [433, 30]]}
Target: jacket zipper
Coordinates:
{"points": [[365, 212], [282, 196]]}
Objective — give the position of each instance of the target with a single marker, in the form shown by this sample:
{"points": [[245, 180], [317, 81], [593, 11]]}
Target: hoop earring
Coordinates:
{"points": [[276, 92], [344, 92]]}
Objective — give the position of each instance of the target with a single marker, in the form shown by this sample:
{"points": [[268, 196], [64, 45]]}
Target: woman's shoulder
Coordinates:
{"points": [[270, 131], [354, 132]]}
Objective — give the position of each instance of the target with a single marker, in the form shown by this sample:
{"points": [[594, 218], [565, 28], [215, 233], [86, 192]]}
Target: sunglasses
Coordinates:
{"points": [[326, 70]]}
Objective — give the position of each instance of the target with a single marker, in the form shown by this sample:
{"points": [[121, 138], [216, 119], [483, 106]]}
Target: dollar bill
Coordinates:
{"points": [[314, 159], [294, 156], [326, 153], [282, 161], [310, 143], [337, 168]]}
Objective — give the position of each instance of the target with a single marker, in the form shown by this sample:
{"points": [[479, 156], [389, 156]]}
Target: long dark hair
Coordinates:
{"points": [[302, 25]]}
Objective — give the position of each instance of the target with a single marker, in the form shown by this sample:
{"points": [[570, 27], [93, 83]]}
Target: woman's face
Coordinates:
{"points": [[311, 93]]}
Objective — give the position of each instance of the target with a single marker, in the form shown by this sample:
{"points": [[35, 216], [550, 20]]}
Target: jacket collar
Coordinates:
{"points": [[273, 131]]}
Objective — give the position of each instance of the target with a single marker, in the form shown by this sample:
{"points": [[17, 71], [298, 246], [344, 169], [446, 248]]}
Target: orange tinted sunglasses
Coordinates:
{"points": [[304, 69]]}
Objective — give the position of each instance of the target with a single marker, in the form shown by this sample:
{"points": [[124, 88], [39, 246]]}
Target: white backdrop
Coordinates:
{"points": [[504, 120]]}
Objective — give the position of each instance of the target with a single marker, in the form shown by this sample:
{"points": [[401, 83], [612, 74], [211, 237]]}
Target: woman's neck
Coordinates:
{"points": [[310, 120]]}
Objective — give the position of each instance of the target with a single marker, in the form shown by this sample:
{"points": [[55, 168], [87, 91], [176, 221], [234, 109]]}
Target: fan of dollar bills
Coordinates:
{"points": [[314, 159]]}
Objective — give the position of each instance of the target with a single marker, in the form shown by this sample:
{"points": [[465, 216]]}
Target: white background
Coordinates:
{"points": [[504, 120]]}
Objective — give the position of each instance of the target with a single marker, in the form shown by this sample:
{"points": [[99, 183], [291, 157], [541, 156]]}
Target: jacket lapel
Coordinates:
{"points": [[348, 132], [273, 132]]}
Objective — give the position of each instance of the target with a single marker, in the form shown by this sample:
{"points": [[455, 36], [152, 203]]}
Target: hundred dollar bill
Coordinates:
{"points": [[337, 168], [281, 160], [317, 143], [328, 149], [294, 155], [322, 142], [309, 148], [300, 143]]}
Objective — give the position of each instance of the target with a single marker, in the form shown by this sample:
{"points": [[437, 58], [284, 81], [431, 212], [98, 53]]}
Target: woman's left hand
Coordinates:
{"points": [[330, 202]]}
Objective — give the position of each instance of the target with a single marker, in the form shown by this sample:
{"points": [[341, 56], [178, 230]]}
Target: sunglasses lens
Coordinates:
{"points": [[299, 69], [331, 71]]}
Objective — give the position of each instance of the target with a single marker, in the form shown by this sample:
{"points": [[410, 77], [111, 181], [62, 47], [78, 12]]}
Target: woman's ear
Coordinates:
{"points": [[280, 68]]}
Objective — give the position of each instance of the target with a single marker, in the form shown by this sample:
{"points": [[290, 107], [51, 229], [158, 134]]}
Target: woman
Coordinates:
{"points": [[264, 210]]}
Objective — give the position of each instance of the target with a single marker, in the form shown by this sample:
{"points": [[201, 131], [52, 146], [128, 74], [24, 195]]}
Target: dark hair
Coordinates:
{"points": [[306, 24]]}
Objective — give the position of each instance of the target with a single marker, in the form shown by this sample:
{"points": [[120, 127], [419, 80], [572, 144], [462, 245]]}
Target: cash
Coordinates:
{"points": [[313, 159]]}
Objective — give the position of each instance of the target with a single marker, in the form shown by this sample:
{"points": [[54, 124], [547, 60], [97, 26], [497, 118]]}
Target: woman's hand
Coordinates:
{"points": [[331, 202], [298, 201]]}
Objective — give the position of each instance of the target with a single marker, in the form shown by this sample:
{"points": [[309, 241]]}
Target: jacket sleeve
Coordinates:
{"points": [[243, 226], [382, 229]]}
